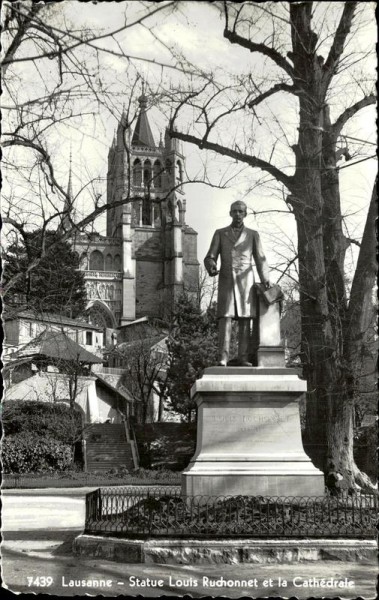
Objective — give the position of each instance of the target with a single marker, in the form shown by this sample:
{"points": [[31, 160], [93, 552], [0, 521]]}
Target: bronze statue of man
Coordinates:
{"points": [[237, 246]]}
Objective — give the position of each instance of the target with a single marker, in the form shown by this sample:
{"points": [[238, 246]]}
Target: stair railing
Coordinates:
{"points": [[131, 439], [134, 448]]}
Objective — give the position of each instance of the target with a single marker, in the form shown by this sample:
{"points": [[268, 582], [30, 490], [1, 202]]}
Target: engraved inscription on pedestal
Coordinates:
{"points": [[249, 430]]}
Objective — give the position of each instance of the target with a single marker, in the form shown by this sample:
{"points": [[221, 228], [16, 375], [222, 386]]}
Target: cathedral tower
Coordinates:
{"points": [[146, 227]]}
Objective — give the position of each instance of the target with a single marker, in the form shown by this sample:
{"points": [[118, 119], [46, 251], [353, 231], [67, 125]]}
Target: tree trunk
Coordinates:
{"points": [[330, 362], [330, 365], [321, 249], [160, 408], [306, 198]]}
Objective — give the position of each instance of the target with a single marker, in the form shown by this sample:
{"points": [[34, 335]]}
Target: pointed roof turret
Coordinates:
{"points": [[142, 134]]}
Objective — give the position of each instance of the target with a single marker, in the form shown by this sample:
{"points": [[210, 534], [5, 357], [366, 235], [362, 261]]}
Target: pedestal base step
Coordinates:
{"points": [[231, 551], [272, 484]]}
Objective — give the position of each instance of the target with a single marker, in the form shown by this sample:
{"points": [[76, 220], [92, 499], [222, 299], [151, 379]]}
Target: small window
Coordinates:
{"points": [[179, 174], [169, 167], [96, 261], [88, 338], [157, 174], [147, 173], [146, 211], [137, 173], [108, 262]]}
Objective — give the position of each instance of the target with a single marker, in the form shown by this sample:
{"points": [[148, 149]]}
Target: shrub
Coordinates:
{"points": [[169, 445], [55, 420], [27, 452]]}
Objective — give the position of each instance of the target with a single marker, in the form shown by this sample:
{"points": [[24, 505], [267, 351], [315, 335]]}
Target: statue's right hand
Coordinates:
{"points": [[212, 271], [211, 266]]}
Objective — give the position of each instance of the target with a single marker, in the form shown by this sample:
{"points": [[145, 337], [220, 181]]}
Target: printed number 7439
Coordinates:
{"points": [[39, 581]]}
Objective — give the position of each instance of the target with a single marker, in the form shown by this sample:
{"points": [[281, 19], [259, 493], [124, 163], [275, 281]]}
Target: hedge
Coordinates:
{"points": [[27, 452], [56, 419]]}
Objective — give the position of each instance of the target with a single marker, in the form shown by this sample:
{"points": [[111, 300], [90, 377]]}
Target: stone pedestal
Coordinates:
{"points": [[249, 437]]}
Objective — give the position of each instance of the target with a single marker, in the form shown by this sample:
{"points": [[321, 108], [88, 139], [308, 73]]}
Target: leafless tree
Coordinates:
{"points": [[302, 53], [207, 289], [53, 84], [144, 361], [304, 56]]}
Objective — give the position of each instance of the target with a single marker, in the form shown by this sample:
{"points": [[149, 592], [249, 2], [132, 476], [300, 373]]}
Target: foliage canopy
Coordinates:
{"points": [[192, 347], [55, 284]]}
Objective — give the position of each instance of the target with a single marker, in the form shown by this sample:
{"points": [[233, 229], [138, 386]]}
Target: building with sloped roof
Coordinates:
{"points": [[54, 368], [57, 346], [21, 327]]}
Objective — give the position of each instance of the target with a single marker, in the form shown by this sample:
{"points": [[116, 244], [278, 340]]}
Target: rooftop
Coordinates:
{"points": [[57, 345], [142, 135], [49, 318]]}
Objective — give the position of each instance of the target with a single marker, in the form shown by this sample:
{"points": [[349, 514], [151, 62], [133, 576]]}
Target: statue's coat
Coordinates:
{"points": [[236, 279]]}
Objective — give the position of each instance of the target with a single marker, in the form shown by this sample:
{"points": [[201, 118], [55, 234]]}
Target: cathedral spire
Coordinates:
{"points": [[68, 203], [142, 135]]}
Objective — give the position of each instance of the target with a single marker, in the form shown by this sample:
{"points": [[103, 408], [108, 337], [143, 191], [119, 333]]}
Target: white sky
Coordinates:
{"points": [[196, 29]]}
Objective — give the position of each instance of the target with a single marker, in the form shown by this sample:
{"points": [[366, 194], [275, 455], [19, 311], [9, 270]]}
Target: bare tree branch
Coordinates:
{"points": [[21, 141], [278, 59], [278, 87], [342, 32], [253, 161], [24, 23], [274, 55], [90, 42], [351, 111]]}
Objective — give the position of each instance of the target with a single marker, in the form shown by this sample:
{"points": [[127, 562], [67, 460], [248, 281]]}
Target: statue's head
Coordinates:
{"points": [[238, 211]]}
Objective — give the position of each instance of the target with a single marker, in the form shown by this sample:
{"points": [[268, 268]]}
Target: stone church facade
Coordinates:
{"points": [[149, 254]]}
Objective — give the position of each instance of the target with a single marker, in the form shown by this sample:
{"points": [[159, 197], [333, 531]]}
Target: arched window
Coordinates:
{"points": [[146, 211], [157, 174], [156, 216], [137, 172], [170, 210], [169, 168], [179, 173], [84, 261], [147, 175], [180, 209], [96, 262], [108, 262], [117, 262]]}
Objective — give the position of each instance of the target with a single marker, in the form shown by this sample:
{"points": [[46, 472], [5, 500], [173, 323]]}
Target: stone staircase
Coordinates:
{"points": [[107, 448]]}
